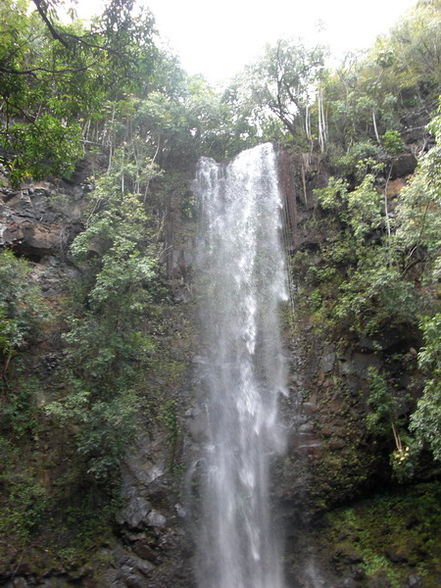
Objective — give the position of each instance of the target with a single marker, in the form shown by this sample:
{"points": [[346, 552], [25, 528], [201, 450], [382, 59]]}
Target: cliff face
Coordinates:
{"points": [[331, 457], [334, 536], [347, 519], [59, 527]]}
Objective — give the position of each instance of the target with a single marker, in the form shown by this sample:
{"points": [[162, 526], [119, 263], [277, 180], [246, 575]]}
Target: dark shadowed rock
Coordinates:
{"points": [[40, 219], [403, 166]]}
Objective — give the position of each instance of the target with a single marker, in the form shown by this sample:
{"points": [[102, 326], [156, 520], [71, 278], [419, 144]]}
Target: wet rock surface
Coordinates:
{"points": [[153, 543]]}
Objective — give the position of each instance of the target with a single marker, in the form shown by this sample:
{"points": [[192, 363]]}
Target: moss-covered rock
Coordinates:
{"points": [[393, 538]]}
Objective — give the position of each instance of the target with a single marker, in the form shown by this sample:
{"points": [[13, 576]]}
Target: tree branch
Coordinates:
{"points": [[41, 6], [20, 110], [45, 70]]}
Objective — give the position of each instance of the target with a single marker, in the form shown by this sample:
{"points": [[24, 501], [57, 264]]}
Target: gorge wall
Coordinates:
{"points": [[84, 533], [337, 534], [349, 523]]}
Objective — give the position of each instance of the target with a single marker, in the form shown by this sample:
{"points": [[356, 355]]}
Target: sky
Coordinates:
{"points": [[217, 38]]}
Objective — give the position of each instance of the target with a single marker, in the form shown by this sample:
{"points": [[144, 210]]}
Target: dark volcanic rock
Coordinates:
{"points": [[40, 219]]}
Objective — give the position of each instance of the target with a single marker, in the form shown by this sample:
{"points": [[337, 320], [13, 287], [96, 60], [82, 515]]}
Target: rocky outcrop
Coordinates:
{"points": [[41, 219], [153, 547]]}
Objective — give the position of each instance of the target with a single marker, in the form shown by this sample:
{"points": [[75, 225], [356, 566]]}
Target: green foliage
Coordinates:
{"points": [[105, 427], [28, 500], [47, 147], [39, 135], [18, 416], [392, 142], [67, 88], [107, 343], [384, 406], [23, 499], [55, 79], [287, 93], [360, 158], [333, 196], [109, 87], [22, 314], [415, 45], [359, 208], [393, 535], [418, 225], [374, 297], [88, 517], [426, 420], [360, 284], [387, 418], [368, 96], [368, 281], [21, 305], [377, 273], [281, 84]]}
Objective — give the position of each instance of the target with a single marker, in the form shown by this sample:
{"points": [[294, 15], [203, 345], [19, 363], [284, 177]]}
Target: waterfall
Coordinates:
{"points": [[240, 264]]}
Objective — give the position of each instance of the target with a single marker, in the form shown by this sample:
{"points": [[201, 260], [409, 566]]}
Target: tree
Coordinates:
{"points": [[425, 422], [107, 344], [284, 83], [22, 309], [52, 87]]}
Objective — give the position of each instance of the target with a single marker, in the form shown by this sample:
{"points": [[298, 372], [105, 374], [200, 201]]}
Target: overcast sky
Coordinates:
{"points": [[217, 38]]}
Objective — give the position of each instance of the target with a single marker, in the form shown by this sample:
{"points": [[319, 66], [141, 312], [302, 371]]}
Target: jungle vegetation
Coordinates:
{"points": [[109, 92]]}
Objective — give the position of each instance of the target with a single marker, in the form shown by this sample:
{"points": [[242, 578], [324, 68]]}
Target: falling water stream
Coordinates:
{"points": [[240, 262]]}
